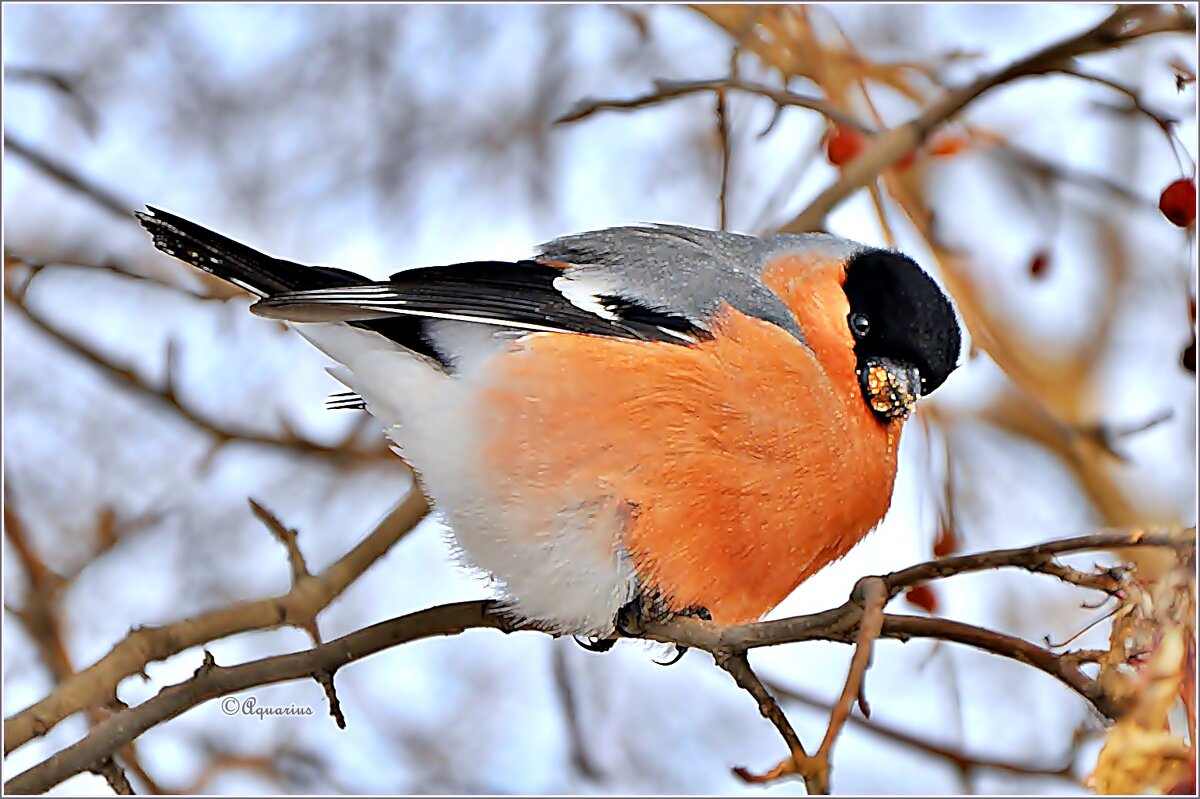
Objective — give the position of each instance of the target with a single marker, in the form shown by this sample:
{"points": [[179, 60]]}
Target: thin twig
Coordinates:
{"points": [[869, 628], [40, 615], [738, 666], [68, 177], [815, 768], [300, 572], [1136, 103], [726, 155], [960, 759], [1038, 558], [672, 89], [348, 450], [568, 697], [286, 536], [115, 776]]}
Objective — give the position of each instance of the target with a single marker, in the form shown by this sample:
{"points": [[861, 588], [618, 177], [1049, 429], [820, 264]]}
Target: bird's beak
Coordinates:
{"points": [[890, 387]]}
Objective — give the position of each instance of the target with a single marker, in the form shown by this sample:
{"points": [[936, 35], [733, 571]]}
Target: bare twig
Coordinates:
{"points": [[672, 89], [348, 450], [66, 85], [1136, 104], [146, 644], [568, 696], [726, 157], [815, 768], [286, 536], [114, 775], [300, 572], [869, 627], [68, 177], [39, 614], [738, 665], [1039, 558], [960, 759], [168, 276]]}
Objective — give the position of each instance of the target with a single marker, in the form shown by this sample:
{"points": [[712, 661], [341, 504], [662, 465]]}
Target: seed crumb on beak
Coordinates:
{"points": [[890, 387]]}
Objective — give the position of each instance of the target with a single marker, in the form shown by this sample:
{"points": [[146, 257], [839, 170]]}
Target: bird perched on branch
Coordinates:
{"points": [[657, 420]]}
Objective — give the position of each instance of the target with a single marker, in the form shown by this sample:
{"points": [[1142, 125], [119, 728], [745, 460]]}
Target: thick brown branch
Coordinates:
{"points": [[211, 681], [144, 645]]}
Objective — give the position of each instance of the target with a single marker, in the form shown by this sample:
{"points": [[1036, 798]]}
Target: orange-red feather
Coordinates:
{"points": [[746, 463]]}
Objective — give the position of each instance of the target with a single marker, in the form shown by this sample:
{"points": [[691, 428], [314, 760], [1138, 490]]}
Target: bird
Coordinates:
{"points": [[646, 421]]}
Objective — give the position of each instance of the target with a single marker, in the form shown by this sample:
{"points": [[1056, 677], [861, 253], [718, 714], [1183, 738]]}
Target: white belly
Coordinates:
{"points": [[560, 566]]}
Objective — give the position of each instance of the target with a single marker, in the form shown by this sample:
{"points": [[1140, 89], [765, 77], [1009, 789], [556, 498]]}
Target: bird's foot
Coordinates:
{"points": [[633, 616]]}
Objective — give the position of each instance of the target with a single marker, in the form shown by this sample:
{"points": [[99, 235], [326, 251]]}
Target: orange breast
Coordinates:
{"points": [[747, 462]]}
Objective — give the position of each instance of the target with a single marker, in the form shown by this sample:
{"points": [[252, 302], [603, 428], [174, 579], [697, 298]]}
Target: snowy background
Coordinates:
{"points": [[388, 136]]}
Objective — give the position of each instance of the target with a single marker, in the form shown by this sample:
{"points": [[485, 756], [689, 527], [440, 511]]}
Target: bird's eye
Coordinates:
{"points": [[860, 325]]}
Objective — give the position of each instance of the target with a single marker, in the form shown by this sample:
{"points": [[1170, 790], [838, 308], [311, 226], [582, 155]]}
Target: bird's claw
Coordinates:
{"points": [[595, 644], [680, 651]]}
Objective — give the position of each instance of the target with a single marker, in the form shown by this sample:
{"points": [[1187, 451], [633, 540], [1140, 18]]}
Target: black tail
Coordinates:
{"points": [[227, 259]]}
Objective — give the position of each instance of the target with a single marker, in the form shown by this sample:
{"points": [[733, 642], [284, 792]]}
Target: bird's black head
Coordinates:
{"points": [[899, 319]]}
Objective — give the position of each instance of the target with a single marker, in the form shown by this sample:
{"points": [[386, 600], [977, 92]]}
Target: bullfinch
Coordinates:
{"points": [[658, 418]]}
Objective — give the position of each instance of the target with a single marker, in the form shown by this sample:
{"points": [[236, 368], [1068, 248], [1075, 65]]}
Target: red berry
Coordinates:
{"points": [[1178, 203], [946, 543], [1037, 267], [906, 161], [948, 144], [923, 597], [842, 145]]}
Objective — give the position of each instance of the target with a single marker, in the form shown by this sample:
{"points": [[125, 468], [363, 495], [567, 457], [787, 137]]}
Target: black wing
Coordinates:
{"points": [[522, 295]]}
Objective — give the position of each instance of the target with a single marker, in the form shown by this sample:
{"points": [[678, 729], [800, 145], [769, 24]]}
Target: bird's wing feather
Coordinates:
{"points": [[682, 271], [525, 295]]}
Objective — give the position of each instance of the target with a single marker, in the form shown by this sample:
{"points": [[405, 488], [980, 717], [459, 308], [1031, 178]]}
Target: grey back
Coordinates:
{"points": [[687, 271]]}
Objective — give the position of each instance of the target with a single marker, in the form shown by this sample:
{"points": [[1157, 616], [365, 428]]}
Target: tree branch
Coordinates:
{"points": [[68, 177], [306, 598], [814, 769], [960, 759], [673, 89], [843, 624], [1126, 24], [167, 397], [211, 681]]}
